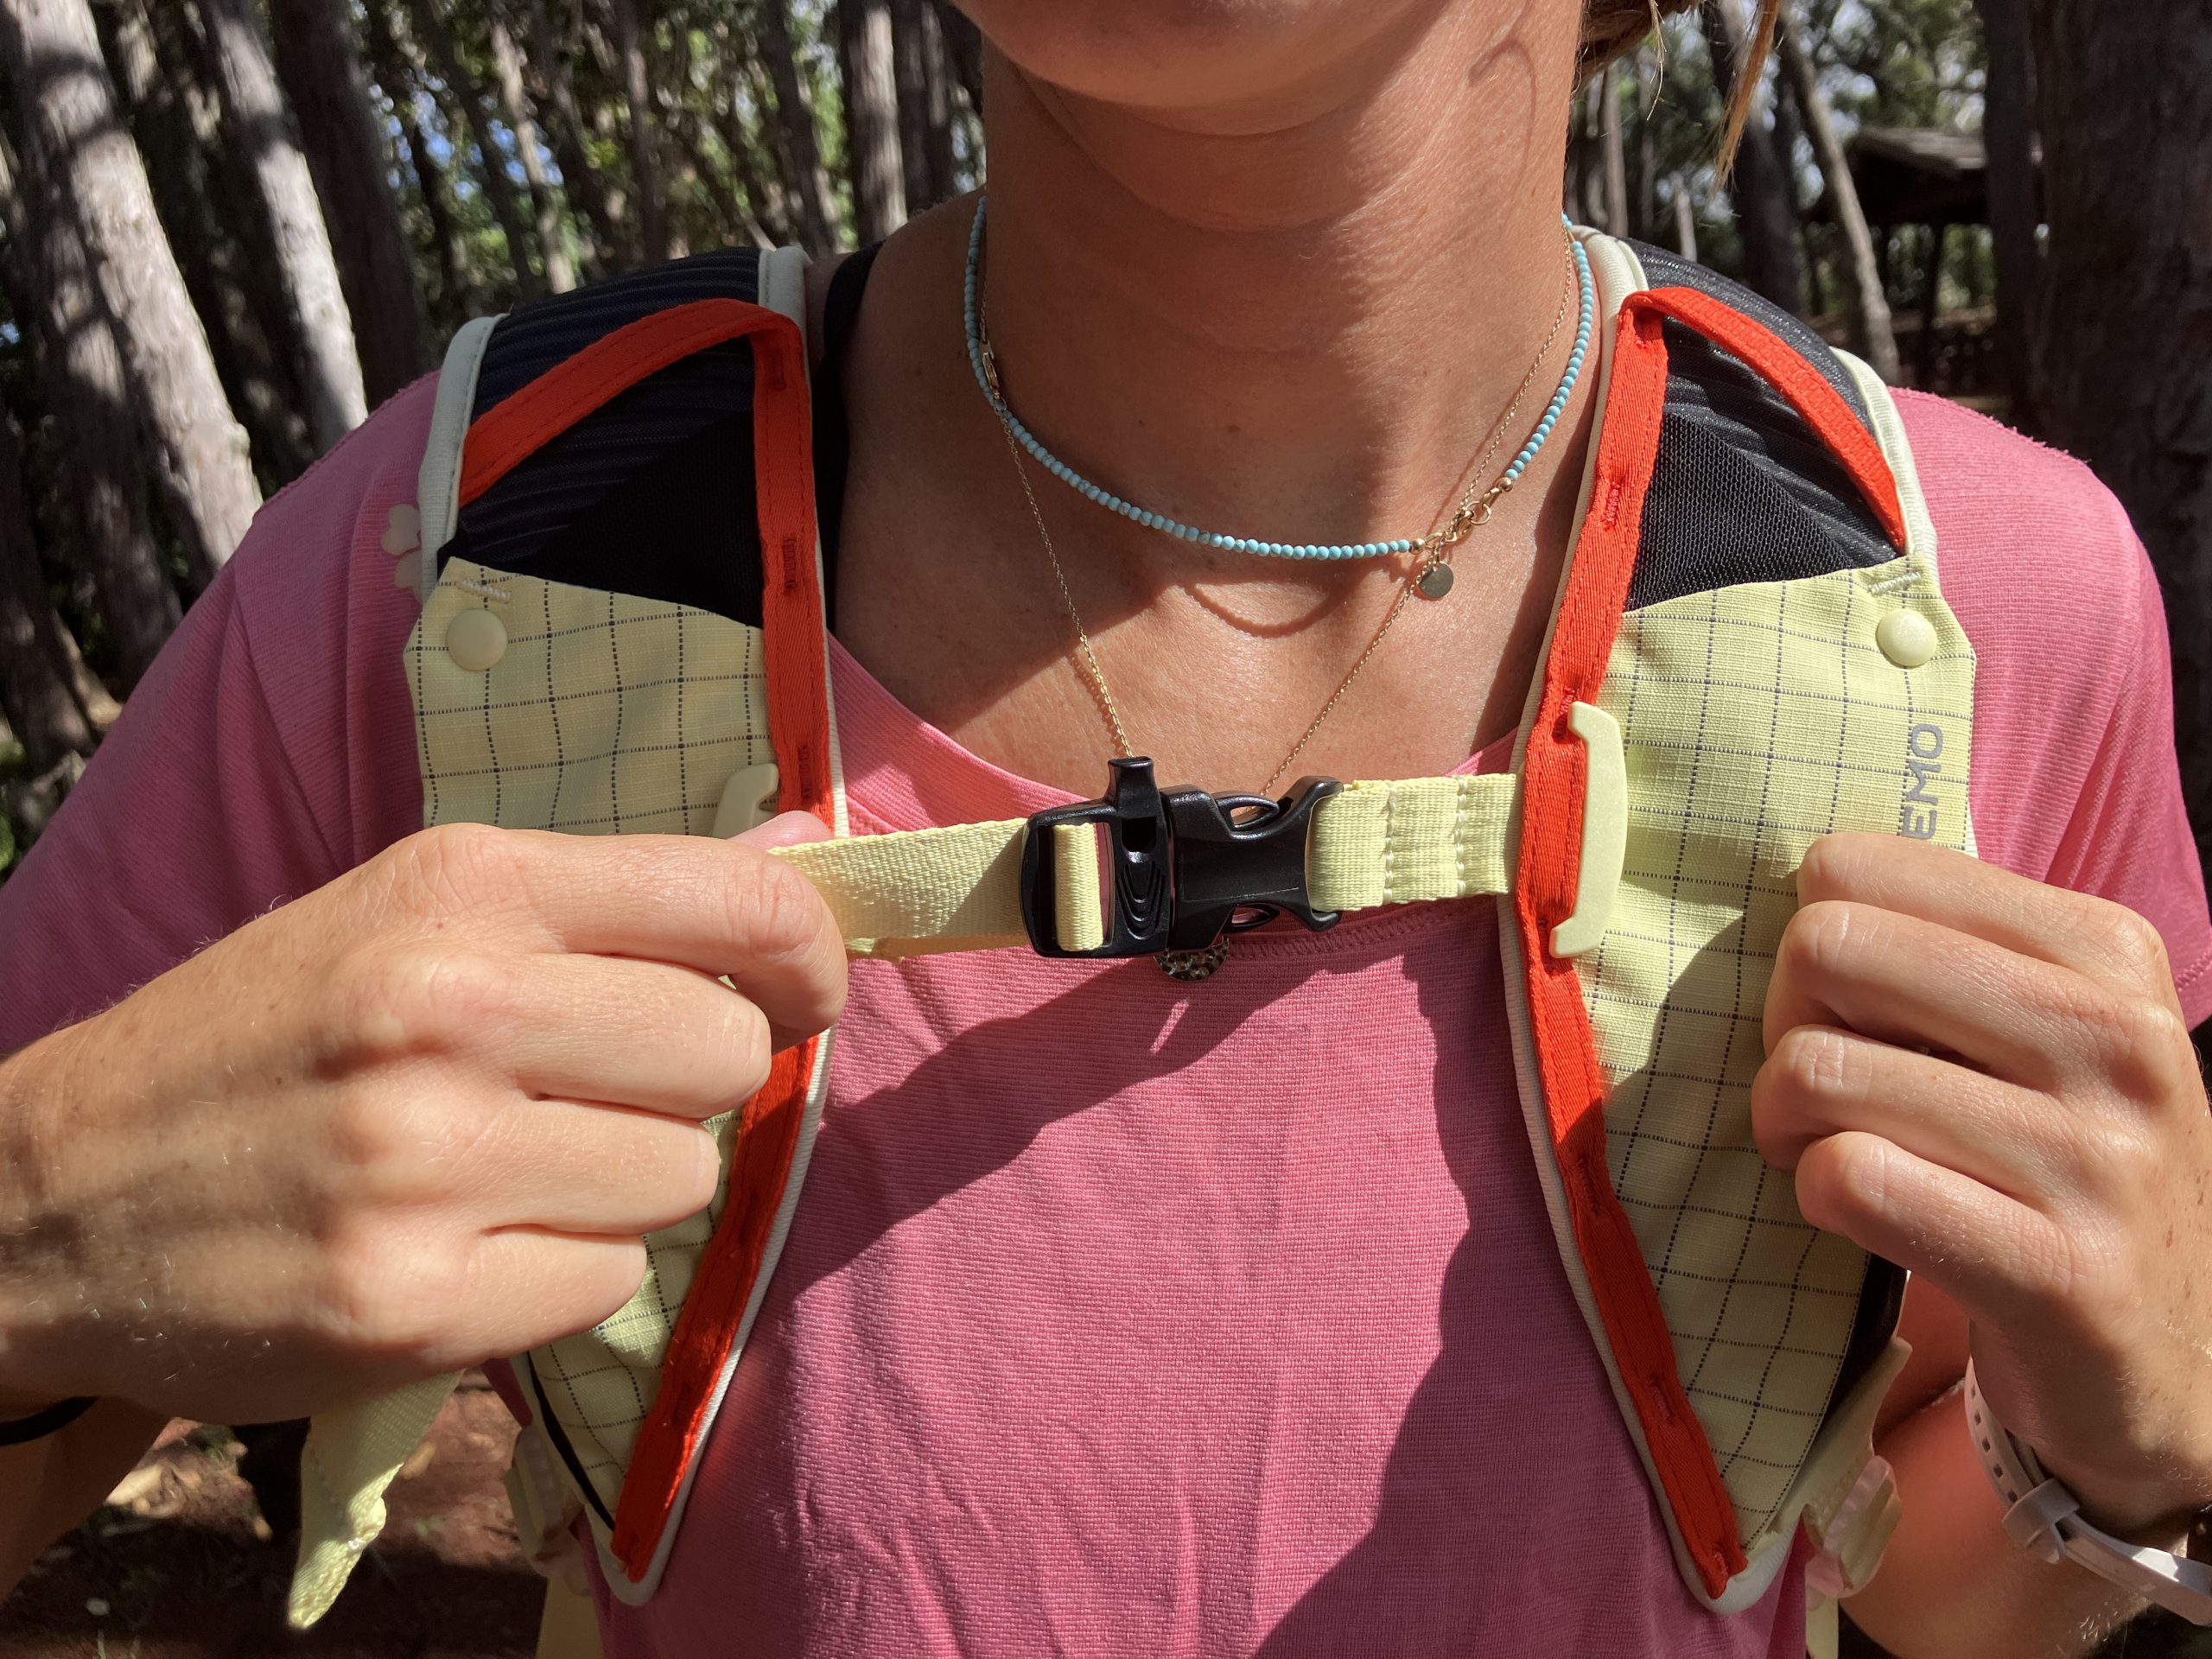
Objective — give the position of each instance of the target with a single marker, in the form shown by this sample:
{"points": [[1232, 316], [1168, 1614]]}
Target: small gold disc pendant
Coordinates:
{"points": [[1194, 964], [1434, 581]]}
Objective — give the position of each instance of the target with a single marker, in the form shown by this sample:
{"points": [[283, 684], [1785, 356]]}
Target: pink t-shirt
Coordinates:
{"points": [[1121, 1315]]}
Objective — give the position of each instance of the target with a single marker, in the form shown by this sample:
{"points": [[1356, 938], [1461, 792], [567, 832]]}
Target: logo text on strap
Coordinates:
{"points": [[1924, 752]]}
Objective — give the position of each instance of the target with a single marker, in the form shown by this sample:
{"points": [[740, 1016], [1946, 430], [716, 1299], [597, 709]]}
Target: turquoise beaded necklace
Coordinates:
{"points": [[1470, 514]]}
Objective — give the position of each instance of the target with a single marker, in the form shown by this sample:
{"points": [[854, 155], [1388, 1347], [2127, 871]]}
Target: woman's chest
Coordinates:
{"points": [[1133, 1316]]}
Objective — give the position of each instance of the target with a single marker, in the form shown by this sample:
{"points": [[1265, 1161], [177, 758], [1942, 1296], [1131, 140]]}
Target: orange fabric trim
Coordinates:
{"points": [[768, 1130], [506, 434], [1544, 893], [1784, 368]]}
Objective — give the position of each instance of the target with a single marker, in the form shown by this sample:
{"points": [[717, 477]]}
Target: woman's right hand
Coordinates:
{"points": [[417, 1119]]}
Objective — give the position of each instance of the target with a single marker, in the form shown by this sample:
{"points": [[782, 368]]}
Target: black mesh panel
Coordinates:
{"points": [[1743, 490]]}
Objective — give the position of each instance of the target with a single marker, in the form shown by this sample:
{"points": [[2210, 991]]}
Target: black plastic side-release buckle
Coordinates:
{"points": [[1184, 868]]}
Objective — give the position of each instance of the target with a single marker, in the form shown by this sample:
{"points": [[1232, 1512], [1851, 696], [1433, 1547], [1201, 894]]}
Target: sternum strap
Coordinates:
{"points": [[924, 891]]}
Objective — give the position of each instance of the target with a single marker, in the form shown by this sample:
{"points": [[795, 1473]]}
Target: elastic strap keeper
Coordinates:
{"points": [[1078, 907], [39, 1424]]}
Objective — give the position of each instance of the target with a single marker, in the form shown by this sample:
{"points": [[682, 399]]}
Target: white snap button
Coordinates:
{"points": [[403, 529], [749, 798], [407, 570], [475, 640], [1906, 638]]}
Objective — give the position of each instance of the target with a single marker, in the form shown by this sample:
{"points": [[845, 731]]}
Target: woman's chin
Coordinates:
{"points": [[1205, 58]]}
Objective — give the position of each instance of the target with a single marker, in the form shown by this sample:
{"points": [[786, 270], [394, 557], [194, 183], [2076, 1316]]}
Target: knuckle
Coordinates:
{"points": [[704, 1178], [1812, 1064], [416, 1001], [623, 1270], [1845, 1175], [783, 922], [368, 1138], [740, 1047], [389, 1291], [686, 1173], [451, 867], [1821, 937], [405, 1148], [1826, 864], [773, 907], [2139, 1046], [2127, 942]]}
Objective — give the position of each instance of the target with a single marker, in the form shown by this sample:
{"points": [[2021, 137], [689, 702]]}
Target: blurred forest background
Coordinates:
{"points": [[230, 228]]}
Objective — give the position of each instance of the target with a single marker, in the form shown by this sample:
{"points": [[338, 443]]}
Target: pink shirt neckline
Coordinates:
{"points": [[902, 773]]}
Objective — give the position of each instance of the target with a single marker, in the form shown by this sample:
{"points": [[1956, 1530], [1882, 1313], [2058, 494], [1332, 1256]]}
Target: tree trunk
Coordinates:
{"points": [[552, 237], [864, 59], [644, 162], [565, 133], [906, 75], [963, 50], [399, 73], [1925, 356], [766, 198], [1685, 220], [1584, 158], [808, 179], [1647, 156], [109, 534], [924, 110], [81, 150], [1871, 332], [1758, 188], [174, 118], [2128, 305], [936, 110], [36, 697], [1612, 152], [2008, 136], [254, 104], [330, 95], [436, 38]]}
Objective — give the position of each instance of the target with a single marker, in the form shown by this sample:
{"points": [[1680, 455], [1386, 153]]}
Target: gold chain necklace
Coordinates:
{"points": [[1431, 577]]}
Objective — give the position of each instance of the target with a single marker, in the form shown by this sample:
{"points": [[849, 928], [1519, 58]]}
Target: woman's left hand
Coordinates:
{"points": [[1989, 1082]]}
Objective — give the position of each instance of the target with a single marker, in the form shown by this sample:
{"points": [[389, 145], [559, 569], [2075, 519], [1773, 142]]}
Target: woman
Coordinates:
{"points": [[1261, 1343]]}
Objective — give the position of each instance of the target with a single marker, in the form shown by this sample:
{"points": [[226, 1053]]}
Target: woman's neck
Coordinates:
{"points": [[1298, 319]]}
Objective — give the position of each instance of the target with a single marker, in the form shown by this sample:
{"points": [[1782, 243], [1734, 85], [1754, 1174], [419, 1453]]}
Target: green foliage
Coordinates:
{"points": [[1900, 63]]}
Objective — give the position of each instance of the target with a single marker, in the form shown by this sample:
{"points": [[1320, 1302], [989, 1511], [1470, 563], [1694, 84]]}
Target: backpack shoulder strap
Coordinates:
{"points": [[1744, 488]]}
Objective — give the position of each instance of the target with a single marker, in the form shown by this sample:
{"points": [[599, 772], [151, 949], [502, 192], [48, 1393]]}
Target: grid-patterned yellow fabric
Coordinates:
{"points": [[604, 714], [1755, 719]]}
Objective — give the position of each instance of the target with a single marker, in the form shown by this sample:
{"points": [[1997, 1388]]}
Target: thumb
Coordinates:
{"points": [[784, 830]]}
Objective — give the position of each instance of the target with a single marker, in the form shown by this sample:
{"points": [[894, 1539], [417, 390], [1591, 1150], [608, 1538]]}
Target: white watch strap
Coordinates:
{"points": [[2046, 1520]]}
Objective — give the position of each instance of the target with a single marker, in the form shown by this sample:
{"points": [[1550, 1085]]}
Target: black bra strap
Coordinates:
{"points": [[39, 1424], [832, 442]]}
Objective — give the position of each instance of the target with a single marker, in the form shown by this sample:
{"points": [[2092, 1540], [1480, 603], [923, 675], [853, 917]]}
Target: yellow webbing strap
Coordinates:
{"points": [[959, 888], [351, 1456], [951, 889], [922, 891]]}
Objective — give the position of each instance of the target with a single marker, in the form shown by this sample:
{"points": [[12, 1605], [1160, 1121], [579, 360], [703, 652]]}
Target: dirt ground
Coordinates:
{"points": [[182, 1567]]}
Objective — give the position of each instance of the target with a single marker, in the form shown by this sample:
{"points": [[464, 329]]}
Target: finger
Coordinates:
{"points": [[571, 1167], [615, 1029], [2105, 941], [784, 830], [1820, 1081], [528, 1287], [1913, 983], [1993, 1255], [725, 908]]}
